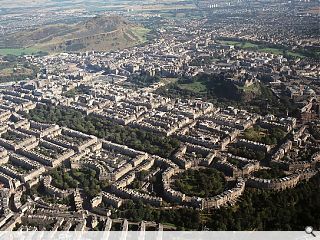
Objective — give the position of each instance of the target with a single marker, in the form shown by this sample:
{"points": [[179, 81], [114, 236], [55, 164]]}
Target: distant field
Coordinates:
{"points": [[244, 45], [294, 54], [271, 50], [194, 87], [141, 33], [168, 80], [254, 88], [253, 46], [18, 51]]}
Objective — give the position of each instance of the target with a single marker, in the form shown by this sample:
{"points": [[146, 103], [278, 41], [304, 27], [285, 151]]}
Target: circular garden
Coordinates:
{"points": [[200, 182]]}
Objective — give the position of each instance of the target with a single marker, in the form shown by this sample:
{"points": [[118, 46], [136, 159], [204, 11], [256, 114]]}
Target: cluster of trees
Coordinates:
{"points": [[182, 218], [268, 103], [85, 178], [144, 80], [15, 62], [315, 131], [276, 135], [292, 209], [305, 154], [270, 137], [247, 153], [269, 173], [74, 46], [140, 179], [68, 201], [201, 61], [136, 184], [236, 162], [203, 182], [224, 93], [73, 92], [9, 58], [217, 86], [217, 90], [102, 128], [38, 189], [62, 179]]}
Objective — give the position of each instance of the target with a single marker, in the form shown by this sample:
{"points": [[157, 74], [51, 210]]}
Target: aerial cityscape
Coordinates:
{"points": [[172, 115]]}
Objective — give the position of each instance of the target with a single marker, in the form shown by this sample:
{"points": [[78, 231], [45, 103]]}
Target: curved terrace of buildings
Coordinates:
{"points": [[54, 191], [280, 184], [226, 197]]}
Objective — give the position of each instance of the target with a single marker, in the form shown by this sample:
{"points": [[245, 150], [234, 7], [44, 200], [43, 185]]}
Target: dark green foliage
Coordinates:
{"points": [[247, 153], [14, 62], [315, 131], [85, 178], [202, 182], [292, 209], [305, 154], [217, 89], [143, 80], [269, 173], [74, 47], [201, 61], [183, 218], [10, 58], [23, 198], [268, 103], [135, 138], [272, 136], [39, 190], [73, 92]]}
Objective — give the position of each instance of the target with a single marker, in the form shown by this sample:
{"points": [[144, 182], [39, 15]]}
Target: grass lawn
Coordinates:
{"points": [[18, 51], [255, 134], [169, 224], [195, 87], [267, 136], [248, 45], [252, 88], [141, 33], [230, 43], [271, 50], [168, 80], [244, 45], [294, 54]]}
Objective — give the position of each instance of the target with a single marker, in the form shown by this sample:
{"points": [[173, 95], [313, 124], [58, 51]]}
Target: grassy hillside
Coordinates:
{"points": [[101, 33], [18, 51]]}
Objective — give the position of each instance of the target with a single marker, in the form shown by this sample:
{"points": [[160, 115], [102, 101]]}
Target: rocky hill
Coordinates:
{"points": [[99, 33]]}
